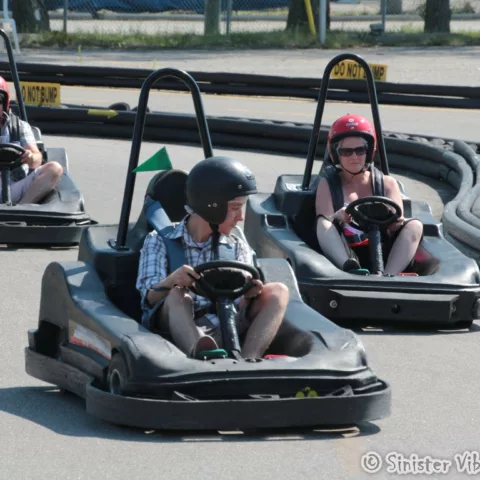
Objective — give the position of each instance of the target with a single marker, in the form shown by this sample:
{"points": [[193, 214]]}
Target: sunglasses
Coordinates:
{"points": [[348, 152]]}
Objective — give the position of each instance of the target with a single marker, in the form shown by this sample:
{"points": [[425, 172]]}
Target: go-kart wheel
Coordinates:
{"points": [[120, 107], [368, 211], [134, 109], [117, 375]]}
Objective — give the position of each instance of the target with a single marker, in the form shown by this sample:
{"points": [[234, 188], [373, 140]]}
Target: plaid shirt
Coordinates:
{"points": [[153, 261]]}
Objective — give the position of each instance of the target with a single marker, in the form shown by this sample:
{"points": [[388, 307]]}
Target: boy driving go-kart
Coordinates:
{"points": [[216, 193], [351, 184]]}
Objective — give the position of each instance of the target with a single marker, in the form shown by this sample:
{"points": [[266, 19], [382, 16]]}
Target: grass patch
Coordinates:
{"points": [[336, 39]]}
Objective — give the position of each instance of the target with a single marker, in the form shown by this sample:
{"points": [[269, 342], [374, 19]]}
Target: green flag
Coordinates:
{"points": [[158, 161]]}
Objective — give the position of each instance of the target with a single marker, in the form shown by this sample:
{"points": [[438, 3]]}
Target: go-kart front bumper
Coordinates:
{"points": [[187, 413]]}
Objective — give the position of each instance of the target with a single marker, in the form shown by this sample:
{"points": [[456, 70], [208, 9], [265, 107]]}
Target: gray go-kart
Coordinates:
{"points": [[90, 341], [443, 285], [60, 217]]}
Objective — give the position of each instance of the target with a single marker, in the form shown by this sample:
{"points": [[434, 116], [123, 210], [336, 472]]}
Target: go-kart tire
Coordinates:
{"points": [[117, 374], [467, 324], [134, 109], [120, 106]]}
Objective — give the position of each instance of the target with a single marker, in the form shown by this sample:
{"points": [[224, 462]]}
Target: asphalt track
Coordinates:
{"points": [[47, 435]]}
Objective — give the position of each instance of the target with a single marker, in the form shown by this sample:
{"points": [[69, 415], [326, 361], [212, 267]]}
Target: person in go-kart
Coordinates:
{"points": [[31, 182], [216, 192], [352, 144]]}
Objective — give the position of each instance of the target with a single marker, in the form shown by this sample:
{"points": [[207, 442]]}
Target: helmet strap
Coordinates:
{"points": [[215, 241]]}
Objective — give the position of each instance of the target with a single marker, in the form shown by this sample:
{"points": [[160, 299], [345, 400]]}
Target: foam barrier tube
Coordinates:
{"points": [[62, 72], [467, 203], [253, 85]]}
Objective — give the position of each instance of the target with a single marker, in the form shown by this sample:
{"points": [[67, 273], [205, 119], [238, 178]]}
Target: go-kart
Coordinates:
{"points": [[90, 340], [60, 217], [442, 287]]}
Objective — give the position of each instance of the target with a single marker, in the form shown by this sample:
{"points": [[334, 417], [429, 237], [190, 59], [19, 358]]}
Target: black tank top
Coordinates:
{"points": [[335, 184]]}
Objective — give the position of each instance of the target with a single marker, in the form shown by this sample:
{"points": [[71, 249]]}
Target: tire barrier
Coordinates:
{"points": [[452, 161], [254, 85]]}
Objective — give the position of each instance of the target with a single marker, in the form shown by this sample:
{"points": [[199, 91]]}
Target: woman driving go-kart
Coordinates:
{"points": [[355, 199]]}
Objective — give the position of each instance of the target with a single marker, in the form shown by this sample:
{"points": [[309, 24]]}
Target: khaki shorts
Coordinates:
{"points": [[207, 326], [18, 189]]}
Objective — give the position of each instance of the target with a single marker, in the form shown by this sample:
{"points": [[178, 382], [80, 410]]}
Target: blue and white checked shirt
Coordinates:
{"points": [[153, 261]]}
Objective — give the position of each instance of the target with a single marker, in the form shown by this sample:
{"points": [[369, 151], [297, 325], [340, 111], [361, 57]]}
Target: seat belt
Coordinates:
{"points": [[158, 219]]}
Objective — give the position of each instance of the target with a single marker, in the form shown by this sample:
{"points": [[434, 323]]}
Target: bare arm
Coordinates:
{"points": [[392, 191], [323, 200], [184, 276], [32, 156], [324, 205]]}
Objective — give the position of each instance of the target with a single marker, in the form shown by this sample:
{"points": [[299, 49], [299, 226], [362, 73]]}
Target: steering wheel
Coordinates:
{"points": [[10, 154], [222, 278], [369, 211]]}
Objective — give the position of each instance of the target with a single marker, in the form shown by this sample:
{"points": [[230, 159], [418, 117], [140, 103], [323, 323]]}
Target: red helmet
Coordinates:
{"points": [[6, 92], [352, 126]]}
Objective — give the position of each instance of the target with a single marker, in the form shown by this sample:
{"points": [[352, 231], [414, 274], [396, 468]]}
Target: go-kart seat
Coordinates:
{"points": [[40, 144], [303, 220], [167, 188]]}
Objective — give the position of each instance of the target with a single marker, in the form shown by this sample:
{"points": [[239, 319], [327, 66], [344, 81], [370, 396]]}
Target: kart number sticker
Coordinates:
{"points": [[350, 69], [41, 94], [83, 337]]}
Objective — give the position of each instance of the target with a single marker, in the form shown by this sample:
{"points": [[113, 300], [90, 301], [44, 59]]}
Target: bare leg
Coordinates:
{"points": [[177, 317], [404, 248], [45, 182], [266, 314], [331, 243]]}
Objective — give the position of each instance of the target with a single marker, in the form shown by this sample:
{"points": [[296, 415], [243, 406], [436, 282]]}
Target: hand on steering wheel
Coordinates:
{"points": [[368, 211], [10, 156], [205, 288]]}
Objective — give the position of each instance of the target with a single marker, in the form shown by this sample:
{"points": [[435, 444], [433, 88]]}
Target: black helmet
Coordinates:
{"points": [[213, 182]]}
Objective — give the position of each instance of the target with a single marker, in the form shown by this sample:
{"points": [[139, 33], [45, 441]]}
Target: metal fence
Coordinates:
{"points": [[168, 17]]}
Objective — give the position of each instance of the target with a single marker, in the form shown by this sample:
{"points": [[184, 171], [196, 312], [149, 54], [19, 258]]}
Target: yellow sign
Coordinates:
{"points": [[41, 94], [352, 70]]}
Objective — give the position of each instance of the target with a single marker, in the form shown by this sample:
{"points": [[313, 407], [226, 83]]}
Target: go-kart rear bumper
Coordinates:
{"points": [[19, 232], [374, 302], [220, 414]]}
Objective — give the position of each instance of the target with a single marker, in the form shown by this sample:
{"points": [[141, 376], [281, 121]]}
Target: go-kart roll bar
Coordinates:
{"points": [[322, 97], [15, 78], [138, 134]]}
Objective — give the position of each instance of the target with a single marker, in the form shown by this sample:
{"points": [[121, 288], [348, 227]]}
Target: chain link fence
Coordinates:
{"points": [[167, 17], [401, 15]]}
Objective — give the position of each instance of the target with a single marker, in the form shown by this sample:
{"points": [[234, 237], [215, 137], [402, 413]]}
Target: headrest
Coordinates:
{"points": [[168, 188]]}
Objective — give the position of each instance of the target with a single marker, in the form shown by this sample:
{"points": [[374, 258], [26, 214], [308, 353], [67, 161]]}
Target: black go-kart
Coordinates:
{"points": [[60, 217], [442, 288], [90, 341]]}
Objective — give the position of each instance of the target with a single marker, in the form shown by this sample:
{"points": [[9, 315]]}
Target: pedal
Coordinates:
{"points": [[359, 271], [211, 354]]}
